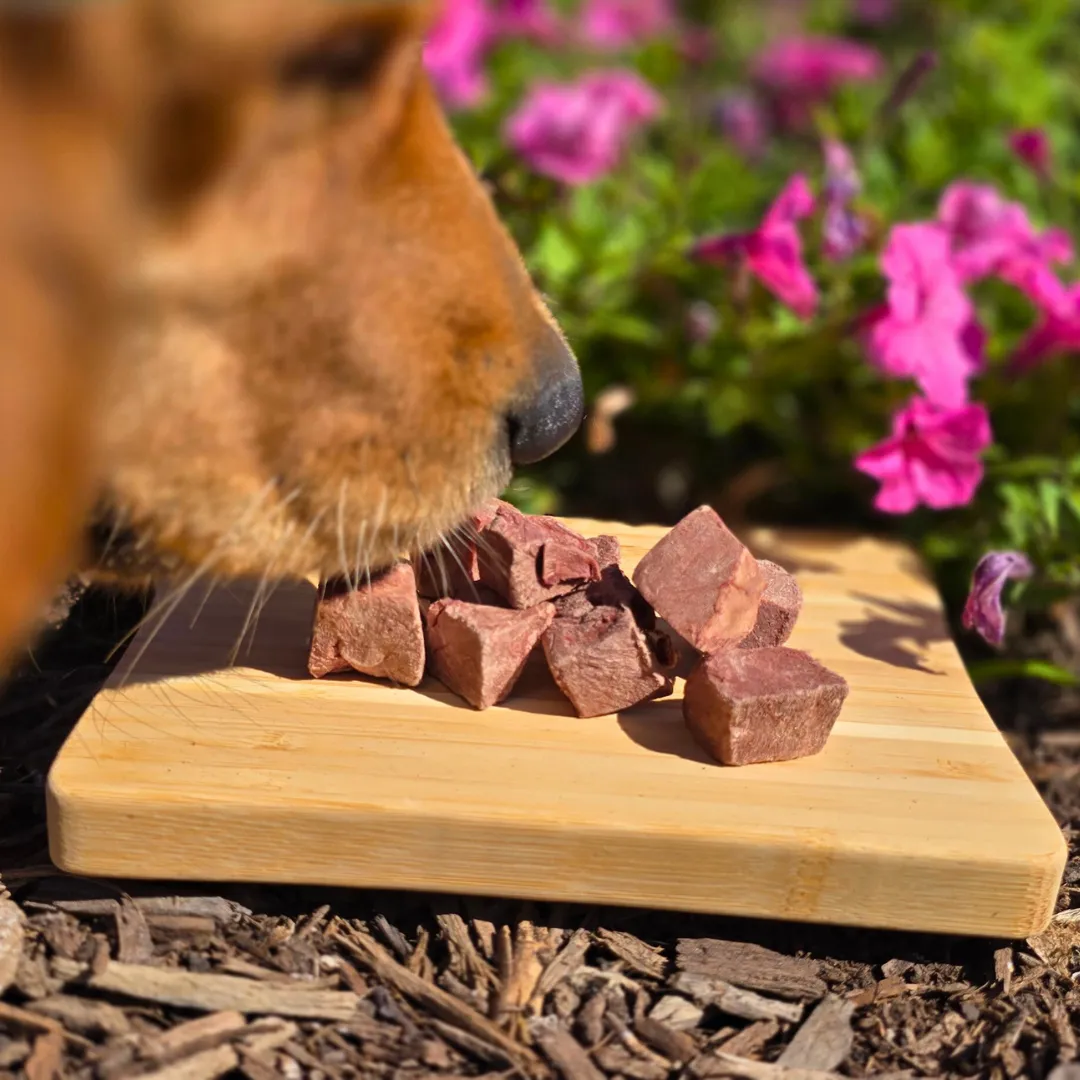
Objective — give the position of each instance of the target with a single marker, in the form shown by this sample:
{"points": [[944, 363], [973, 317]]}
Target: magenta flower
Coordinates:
{"points": [[1032, 147], [743, 122], [925, 330], [813, 67], [773, 252], [532, 19], [576, 132], [1053, 335], [843, 231], [991, 236], [618, 24], [455, 49], [983, 612], [931, 458]]}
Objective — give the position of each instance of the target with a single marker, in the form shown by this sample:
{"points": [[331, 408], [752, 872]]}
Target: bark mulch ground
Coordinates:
{"points": [[114, 979]]}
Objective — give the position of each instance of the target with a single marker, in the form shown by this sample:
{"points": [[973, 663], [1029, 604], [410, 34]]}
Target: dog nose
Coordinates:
{"points": [[552, 413]]}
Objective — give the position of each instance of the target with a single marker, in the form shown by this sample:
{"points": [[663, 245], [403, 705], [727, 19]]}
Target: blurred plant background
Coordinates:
{"points": [[752, 370]]}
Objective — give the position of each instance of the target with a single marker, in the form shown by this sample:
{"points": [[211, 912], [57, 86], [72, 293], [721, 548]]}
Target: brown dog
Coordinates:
{"points": [[267, 321]]}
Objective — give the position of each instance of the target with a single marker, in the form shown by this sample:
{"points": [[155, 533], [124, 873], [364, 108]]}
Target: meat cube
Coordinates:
{"points": [[453, 568], [753, 705], [374, 629], [530, 559], [479, 651], [780, 606], [602, 661], [702, 580], [607, 550]]}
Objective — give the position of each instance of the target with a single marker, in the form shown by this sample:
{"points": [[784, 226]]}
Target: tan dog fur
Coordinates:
{"points": [[302, 323]]}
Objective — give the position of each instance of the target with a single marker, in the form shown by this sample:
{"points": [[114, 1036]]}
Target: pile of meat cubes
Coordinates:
{"points": [[699, 603]]}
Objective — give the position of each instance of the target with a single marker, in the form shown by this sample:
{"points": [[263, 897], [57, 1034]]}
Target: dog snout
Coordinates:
{"points": [[552, 409]]}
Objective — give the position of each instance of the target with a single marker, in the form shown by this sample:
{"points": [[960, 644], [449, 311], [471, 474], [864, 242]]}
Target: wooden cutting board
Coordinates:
{"points": [[916, 815]]}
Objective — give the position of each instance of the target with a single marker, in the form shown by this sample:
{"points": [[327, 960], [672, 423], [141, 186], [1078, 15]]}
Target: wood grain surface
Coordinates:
{"points": [[915, 816]]}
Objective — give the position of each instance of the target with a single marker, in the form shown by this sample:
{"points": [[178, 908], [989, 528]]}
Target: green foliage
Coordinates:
{"points": [[766, 388]]}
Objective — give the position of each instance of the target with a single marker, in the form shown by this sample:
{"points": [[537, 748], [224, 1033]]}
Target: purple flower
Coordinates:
{"points": [[983, 612], [455, 49], [773, 251], [925, 330], [842, 229], [619, 24], [873, 12], [743, 122], [1032, 147], [1055, 334], [813, 67], [576, 132], [991, 236], [932, 457], [532, 19]]}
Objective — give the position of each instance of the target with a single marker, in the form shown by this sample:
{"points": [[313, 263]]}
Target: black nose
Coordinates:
{"points": [[551, 414]]}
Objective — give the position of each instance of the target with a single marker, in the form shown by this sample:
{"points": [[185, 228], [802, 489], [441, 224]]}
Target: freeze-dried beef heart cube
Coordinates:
{"points": [[513, 560], [374, 629], [478, 651], [702, 580], [781, 603], [602, 661], [745, 706], [453, 569], [607, 550]]}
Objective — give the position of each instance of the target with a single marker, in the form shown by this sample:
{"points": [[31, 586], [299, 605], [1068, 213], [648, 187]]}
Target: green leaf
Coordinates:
{"points": [[1050, 497], [554, 258], [985, 670]]}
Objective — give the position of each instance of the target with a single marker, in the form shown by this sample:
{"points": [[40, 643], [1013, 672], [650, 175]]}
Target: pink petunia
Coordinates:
{"points": [[990, 235], [743, 122], [773, 251], [843, 231], [1055, 334], [925, 330], [982, 611], [813, 67], [531, 19], [577, 132], [612, 25], [455, 50], [932, 457], [1032, 147]]}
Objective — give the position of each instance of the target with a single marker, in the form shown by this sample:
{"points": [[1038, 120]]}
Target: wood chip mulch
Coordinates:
{"points": [[114, 980]]}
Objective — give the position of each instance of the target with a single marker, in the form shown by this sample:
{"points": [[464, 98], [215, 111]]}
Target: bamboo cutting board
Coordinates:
{"points": [[916, 815]]}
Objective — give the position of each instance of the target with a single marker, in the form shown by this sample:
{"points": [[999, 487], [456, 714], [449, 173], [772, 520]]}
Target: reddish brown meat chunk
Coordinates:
{"points": [[780, 606], [607, 550], [528, 559], [479, 651], [754, 705], [453, 569], [602, 661], [374, 629], [703, 581]]}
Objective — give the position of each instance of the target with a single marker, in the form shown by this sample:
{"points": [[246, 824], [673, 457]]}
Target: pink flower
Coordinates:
{"points": [[1032, 147], [532, 19], [1055, 334], [455, 50], [773, 252], [925, 331], [812, 67], [843, 230], [983, 612], [991, 236], [618, 24], [931, 458], [576, 132], [743, 122]]}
